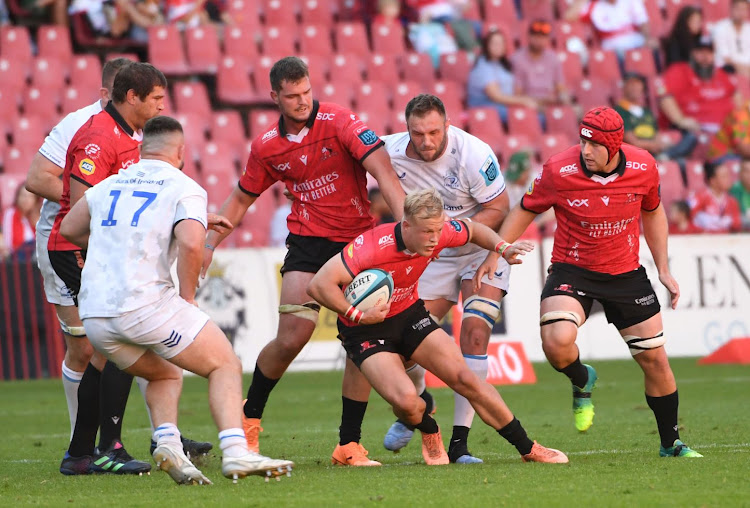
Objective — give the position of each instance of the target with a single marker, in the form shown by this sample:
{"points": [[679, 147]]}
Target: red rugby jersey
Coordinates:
{"points": [[383, 247], [322, 168], [102, 147], [597, 215]]}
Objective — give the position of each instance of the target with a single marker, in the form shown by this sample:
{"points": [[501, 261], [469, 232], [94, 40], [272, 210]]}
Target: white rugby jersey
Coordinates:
{"points": [[131, 247], [54, 148], [467, 175]]}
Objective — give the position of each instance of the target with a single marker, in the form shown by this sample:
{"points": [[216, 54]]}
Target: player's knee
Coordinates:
{"points": [[408, 406], [308, 311], [79, 353], [484, 309], [558, 335], [474, 340]]}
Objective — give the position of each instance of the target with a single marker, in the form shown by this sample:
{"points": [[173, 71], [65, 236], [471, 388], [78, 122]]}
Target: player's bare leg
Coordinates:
{"points": [[385, 372], [560, 317], [293, 334], [660, 385], [439, 354]]}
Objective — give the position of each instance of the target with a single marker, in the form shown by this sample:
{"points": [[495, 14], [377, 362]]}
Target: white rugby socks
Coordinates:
{"points": [[233, 443], [167, 433], [463, 413], [71, 380]]}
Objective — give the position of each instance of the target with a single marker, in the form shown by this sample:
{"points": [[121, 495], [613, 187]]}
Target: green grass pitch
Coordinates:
{"points": [[615, 464]]}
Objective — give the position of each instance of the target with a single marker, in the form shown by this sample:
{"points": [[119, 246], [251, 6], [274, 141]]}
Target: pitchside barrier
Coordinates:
{"points": [[241, 294]]}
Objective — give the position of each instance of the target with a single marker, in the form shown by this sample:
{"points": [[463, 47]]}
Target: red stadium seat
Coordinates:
{"points": [[315, 40], [9, 113], [397, 121], [12, 76], [49, 74], [456, 66], [550, 144], [29, 132], [657, 26], [695, 176], [502, 12], [192, 97], [3, 149], [515, 143], [565, 31], [672, 7], [403, 93], [388, 39], [715, 10], [244, 13], [571, 66], [375, 119], [84, 70], [15, 44], [262, 120], [351, 37], [194, 128], [417, 67], [165, 50], [524, 121], [53, 42], [537, 9], [190, 168], [485, 124], [240, 45], [452, 95], [280, 13], [382, 69], [203, 52], [346, 70], [255, 228], [317, 67], [44, 104], [278, 40], [671, 186], [340, 93], [226, 125], [261, 70], [233, 85], [218, 173], [317, 12], [593, 92], [641, 60], [75, 98], [372, 96], [603, 65], [561, 120], [10, 181]]}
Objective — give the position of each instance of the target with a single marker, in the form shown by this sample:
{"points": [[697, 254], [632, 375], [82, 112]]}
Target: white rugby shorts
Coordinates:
{"points": [[442, 278], [167, 327], [55, 289]]}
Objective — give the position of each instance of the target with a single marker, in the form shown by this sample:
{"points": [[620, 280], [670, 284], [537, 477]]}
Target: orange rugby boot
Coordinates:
{"points": [[252, 429], [352, 454], [539, 453], [433, 449]]}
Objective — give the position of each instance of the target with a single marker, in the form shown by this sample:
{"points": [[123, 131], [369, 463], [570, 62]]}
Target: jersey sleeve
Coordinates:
{"points": [[192, 205], [92, 158], [585, 14], [358, 139], [55, 145], [485, 179], [357, 255], [255, 177], [541, 194], [455, 234], [653, 195]]}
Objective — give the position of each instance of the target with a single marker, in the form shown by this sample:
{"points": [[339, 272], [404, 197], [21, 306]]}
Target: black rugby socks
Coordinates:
{"points": [[257, 394]]}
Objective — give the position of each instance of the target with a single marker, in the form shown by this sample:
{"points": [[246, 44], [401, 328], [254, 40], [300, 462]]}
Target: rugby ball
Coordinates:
{"points": [[369, 288]]}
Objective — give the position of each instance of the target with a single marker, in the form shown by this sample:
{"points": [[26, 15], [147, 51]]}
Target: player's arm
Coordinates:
{"points": [[493, 212], [655, 229], [190, 235], [378, 164], [325, 288], [76, 225], [481, 235], [233, 209], [44, 178]]}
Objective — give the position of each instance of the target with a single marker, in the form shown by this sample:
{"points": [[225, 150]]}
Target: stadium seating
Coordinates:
{"points": [[317, 12], [550, 144], [593, 92], [192, 97], [42, 104], [524, 121], [351, 38], [571, 66], [278, 40], [226, 125], [695, 176], [603, 65], [15, 45], [240, 45], [418, 68], [48, 73], [261, 120], [8, 111], [715, 10], [382, 69], [54, 43], [165, 50], [280, 12], [452, 95], [561, 119], [485, 124], [372, 96], [218, 173], [233, 85], [388, 39], [82, 70], [194, 128], [456, 66], [672, 188], [537, 9], [315, 40], [403, 93], [376, 122], [346, 70], [641, 61], [203, 52], [75, 98]]}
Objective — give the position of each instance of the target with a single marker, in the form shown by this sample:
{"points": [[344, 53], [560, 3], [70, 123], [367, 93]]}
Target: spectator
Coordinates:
{"points": [[4, 17], [537, 71], [431, 38], [695, 96], [732, 142], [186, 13], [119, 18], [620, 25], [20, 219], [741, 192], [379, 209], [686, 30], [517, 176], [713, 209], [490, 82], [389, 13], [449, 13], [640, 123], [679, 219], [732, 36]]}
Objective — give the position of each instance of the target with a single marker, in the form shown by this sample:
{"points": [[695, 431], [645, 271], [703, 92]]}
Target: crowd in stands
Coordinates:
{"points": [[518, 74]]}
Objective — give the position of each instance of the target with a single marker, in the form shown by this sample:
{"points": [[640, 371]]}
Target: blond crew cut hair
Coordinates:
{"points": [[423, 204]]}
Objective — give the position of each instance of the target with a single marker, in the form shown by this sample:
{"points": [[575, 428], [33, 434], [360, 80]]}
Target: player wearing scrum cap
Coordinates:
{"points": [[600, 190], [379, 339]]}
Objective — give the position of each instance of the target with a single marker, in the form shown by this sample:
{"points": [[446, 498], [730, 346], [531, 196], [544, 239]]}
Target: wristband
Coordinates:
{"points": [[501, 247], [354, 314], [210, 247]]}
